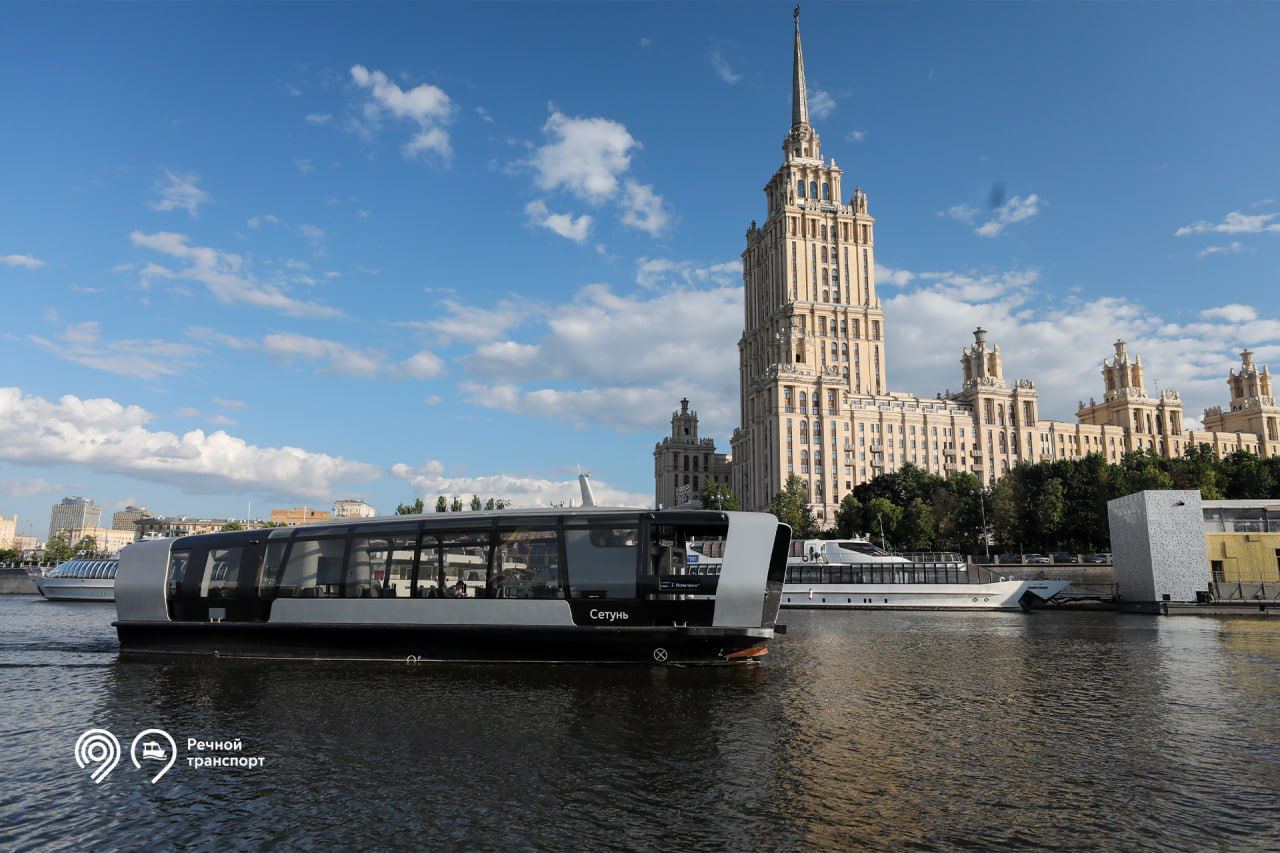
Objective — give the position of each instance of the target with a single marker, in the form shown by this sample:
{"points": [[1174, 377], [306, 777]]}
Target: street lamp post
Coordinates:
{"points": [[982, 507]]}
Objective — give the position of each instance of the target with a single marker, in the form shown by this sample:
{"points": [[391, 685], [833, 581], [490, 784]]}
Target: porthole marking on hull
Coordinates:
{"points": [[660, 655], [411, 659]]}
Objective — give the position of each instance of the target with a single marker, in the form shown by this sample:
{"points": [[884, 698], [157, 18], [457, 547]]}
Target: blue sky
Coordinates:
{"points": [[291, 253]]}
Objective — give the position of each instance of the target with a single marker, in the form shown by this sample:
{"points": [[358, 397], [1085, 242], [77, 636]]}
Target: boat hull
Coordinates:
{"points": [[76, 589], [1001, 595], [459, 643]]}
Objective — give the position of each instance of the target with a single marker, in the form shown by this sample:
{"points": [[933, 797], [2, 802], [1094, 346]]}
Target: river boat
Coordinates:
{"points": [[518, 585], [79, 580], [854, 574]]}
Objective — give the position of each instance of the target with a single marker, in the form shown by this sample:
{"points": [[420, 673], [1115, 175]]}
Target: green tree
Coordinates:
{"points": [[1247, 476], [442, 504], [230, 526], [917, 527], [1006, 523], [476, 503], [882, 516], [717, 496], [849, 516], [502, 503], [456, 505], [489, 504], [86, 547], [57, 549], [415, 508], [268, 524], [10, 555], [1048, 513], [791, 506], [1144, 470]]}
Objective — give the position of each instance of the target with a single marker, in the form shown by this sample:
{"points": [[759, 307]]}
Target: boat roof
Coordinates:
{"points": [[468, 519]]}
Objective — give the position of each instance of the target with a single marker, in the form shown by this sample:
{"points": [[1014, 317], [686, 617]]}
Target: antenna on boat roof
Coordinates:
{"points": [[584, 483]]}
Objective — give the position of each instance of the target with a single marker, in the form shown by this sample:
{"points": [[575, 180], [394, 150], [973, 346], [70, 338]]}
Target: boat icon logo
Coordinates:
{"points": [[150, 741]]}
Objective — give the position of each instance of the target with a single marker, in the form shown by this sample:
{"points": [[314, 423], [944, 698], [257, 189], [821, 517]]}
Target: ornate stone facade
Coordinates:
{"points": [[683, 459], [814, 395]]}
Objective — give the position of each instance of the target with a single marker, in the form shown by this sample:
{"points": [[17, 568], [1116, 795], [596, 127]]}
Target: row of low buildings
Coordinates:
{"points": [[76, 518], [814, 394]]}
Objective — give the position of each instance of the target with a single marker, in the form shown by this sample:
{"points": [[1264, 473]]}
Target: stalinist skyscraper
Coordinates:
{"points": [[815, 398]]}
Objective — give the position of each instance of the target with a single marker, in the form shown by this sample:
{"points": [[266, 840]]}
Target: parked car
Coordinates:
{"points": [[1009, 558], [1064, 557], [1038, 559], [1096, 559]]}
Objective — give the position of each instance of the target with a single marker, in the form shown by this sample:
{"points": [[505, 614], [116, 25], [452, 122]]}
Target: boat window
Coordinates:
{"points": [[381, 566], [464, 557], [221, 573], [313, 569], [527, 564], [602, 561], [178, 561], [272, 563], [677, 550]]}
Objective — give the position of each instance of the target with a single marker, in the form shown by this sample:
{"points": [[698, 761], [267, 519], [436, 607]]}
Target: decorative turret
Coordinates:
{"points": [[1121, 377], [981, 365], [1250, 381]]}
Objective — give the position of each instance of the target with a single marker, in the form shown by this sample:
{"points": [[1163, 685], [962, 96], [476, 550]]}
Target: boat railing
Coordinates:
{"points": [[931, 556], [942, 571]]}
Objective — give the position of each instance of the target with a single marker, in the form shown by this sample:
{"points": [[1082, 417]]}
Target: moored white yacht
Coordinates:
{"points": [[79, 580], [853, 574]]}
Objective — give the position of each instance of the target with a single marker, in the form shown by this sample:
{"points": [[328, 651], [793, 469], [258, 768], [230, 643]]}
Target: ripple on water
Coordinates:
{"points": [[886, 729]]}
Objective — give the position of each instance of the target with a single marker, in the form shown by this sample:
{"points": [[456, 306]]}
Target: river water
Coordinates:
{"points": [[926, 730]]}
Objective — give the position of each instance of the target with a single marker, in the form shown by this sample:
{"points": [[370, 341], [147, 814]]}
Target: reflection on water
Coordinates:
{"points": [[880, 729]]}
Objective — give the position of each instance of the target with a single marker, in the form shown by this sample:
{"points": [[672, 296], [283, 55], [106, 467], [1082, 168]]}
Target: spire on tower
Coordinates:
{"points": [[799, 91]]}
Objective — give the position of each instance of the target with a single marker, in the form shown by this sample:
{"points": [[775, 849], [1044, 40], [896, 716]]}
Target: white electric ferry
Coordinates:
{"points": [[853, 574]]}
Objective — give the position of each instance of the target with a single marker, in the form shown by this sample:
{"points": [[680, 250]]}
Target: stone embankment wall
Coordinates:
{"points": [[16, 582]]}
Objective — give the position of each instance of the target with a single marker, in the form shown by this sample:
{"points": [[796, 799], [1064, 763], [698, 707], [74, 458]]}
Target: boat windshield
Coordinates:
{"points": [[863, 548]]}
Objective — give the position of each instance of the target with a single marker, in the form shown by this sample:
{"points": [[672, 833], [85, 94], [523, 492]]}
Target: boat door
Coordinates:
{"points": [[220, 582]]}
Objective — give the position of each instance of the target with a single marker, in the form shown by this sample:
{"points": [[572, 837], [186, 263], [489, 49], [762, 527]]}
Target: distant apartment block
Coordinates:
{"points": [[74, 513], [107, 540], [353, 509], [127, 518], [297, 515], [154, 527], [8, 531]]}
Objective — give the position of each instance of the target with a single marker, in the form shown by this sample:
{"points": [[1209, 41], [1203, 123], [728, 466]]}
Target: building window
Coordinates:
{"points": [[826, 192], [800, 187]]}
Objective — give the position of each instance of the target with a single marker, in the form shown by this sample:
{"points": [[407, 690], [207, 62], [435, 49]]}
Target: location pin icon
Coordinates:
{"points": [[153, 750]]}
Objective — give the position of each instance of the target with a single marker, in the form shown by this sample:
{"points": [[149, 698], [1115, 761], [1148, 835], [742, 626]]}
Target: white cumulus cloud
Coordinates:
{"points": [[1016, 209], [108, 437], [224, 275], [426, 106], [565, 224], [430, 480], [1234, 222], [29, 262], [180, 192]]}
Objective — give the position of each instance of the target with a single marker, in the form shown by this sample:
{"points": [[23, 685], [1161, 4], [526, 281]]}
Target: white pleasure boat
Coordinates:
{"points": [[853, 574]]}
